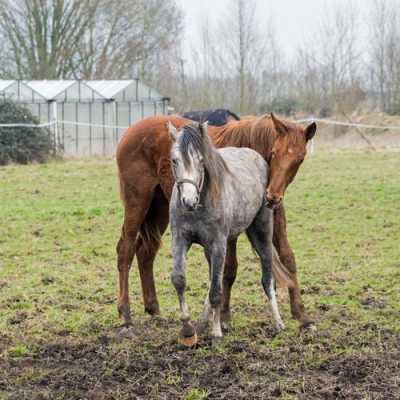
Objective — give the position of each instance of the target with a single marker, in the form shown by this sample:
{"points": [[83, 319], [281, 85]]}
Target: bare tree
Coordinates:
{"points": [[242, 49], [129, 37], [47, 39], [384, 58], [206, 79], [329, 63], [236, 61], [42, 36]]}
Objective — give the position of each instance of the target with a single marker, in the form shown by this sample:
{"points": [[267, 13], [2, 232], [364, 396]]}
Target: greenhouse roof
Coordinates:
{"points": [[109, 89], [4, 84], [77, 90], [49, 89]]}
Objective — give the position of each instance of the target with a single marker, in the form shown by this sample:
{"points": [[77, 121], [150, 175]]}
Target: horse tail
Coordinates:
{"points": [[153, 226], [150, 236], [282, 275]]}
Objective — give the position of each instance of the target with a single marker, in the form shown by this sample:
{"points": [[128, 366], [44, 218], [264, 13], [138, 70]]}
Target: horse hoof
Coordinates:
{"points": [[190, 341], [124, 312], [279, 326], [152, 309], [216, 341], [126, 332]]}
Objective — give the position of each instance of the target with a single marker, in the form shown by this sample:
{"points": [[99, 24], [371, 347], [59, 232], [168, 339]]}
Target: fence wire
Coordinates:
{"points": [[116, 135]]}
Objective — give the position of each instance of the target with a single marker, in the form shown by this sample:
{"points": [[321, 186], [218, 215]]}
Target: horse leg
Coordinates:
{"points": [[230, 270], [180, 248], [135, 211], [147, 246], [260, 236], [218, 253], [204, 318], [286, 255]]}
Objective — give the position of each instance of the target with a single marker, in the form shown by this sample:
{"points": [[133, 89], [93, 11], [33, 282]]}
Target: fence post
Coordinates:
{"points": [[312, 146], [115, 120], [76, 128], [104, 128], [55, 120]]}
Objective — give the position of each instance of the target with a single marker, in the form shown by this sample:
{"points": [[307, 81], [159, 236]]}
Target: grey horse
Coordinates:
{"points": [[218, 194]]}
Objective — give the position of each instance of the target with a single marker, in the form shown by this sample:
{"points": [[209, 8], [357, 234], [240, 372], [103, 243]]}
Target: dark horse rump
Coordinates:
{"points": [[217, 117]]}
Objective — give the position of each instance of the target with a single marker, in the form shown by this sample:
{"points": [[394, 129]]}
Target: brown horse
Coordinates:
{"points": [[146, 182]]}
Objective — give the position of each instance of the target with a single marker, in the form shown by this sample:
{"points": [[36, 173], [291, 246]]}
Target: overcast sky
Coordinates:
{"points": [[294, 18]]}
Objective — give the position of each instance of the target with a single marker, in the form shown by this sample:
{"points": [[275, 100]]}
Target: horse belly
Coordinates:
{"points": [[245, 202], [245, 189]]}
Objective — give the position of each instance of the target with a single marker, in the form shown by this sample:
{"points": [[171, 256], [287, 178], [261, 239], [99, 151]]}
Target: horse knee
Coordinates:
{"points": [[125, 253], [179, 281]]}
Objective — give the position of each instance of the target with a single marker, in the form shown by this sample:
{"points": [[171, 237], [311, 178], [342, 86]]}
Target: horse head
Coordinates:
{"points": [[288, 151]]}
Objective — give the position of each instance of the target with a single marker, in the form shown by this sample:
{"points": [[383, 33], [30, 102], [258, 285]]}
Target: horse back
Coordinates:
{"points": [[147, 138], [246, 164], [216, 117]]}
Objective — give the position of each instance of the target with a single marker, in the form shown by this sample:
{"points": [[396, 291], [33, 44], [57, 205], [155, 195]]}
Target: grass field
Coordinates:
{"points": [[59, 224]]}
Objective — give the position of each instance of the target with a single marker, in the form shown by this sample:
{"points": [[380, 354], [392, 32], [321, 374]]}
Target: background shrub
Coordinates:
{"points": [[22, 144]]}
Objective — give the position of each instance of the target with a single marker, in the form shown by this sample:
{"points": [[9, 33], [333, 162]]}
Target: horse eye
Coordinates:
{"points": [[174, 162]]}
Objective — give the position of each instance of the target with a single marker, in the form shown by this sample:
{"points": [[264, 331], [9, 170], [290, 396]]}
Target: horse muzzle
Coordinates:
{"points": [[273, 200], [190, 204]]}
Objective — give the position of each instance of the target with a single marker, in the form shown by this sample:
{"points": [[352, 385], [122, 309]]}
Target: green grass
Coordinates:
{"points": [[60, 223]]}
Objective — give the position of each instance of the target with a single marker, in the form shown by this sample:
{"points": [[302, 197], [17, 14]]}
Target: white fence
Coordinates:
{"points": [[85, 136]]}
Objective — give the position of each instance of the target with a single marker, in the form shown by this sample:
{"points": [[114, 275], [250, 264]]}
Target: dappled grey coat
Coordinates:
{"points": [[242, 196]]}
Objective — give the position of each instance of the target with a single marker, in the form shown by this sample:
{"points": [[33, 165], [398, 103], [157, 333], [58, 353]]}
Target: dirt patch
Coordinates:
{"points": [[373, 302], [151, 365]]}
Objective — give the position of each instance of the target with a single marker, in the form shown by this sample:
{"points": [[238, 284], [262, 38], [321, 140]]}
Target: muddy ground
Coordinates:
{"points": [[59, 335], [147, 362]]}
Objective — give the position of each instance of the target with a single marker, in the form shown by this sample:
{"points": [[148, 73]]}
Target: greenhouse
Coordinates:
{"points": [[86, 117]]}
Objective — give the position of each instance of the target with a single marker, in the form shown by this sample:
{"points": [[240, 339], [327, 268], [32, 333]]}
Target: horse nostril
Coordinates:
{"points": [[187, 204], [273, 198]]}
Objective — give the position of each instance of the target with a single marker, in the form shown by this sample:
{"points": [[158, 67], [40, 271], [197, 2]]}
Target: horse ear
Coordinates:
{"points": [[173, 133], [279, 125], [310, 131]]}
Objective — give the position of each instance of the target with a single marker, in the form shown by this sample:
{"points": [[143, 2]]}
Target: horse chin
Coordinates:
{"points": [[191, 209]]}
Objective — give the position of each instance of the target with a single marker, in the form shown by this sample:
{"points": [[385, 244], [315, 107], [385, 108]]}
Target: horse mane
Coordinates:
{"points": [[214, 165], [257, 133]]}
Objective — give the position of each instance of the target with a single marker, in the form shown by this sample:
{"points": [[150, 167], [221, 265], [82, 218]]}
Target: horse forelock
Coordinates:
{"points": [[214, 165], [189, 139]]}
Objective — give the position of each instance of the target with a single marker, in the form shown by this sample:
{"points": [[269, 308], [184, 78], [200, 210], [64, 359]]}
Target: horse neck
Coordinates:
{"points": [[258, 134], [215, 172]]}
